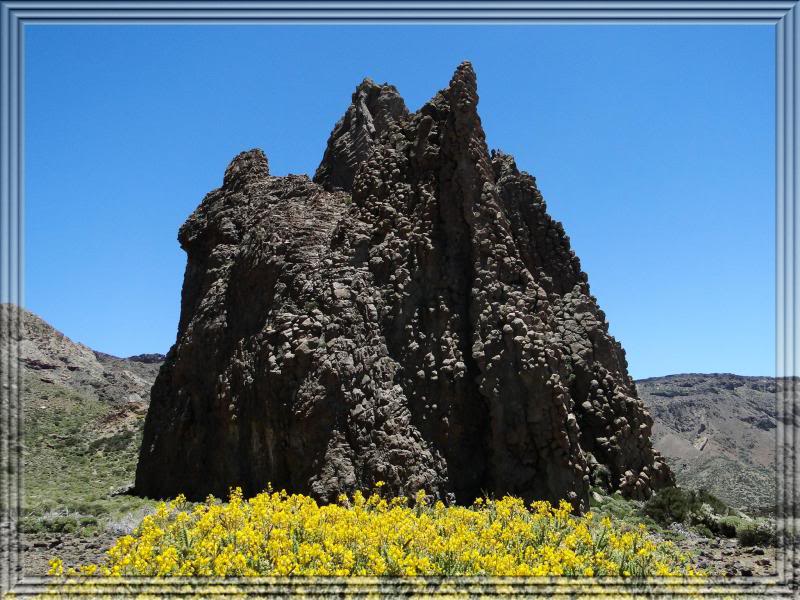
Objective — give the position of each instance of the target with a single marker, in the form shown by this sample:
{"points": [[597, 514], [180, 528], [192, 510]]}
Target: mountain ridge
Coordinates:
{"points": [[718, 431]]}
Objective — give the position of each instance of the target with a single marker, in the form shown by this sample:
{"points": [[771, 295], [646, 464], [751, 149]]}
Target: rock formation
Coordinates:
{"points": [[412, 315]]}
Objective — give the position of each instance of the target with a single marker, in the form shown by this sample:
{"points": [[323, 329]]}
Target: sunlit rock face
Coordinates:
{"points": [[412, 316]]}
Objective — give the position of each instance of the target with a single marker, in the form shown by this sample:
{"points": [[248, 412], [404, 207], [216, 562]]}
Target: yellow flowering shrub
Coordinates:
{"points": [[276, 533]]}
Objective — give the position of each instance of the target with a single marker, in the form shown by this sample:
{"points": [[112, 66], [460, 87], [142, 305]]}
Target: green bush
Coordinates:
{"points": [[56, 523], [677, 505], [63, 525], [114, 443], [670, 505], [756, 534], [30, 525], [727, 526], [704, 531], [718, 506]]}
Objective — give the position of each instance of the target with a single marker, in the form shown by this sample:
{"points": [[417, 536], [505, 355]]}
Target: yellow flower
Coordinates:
{"points": [[56, 567], [277, 534]]}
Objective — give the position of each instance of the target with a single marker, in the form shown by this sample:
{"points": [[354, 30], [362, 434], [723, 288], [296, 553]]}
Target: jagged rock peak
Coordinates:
{"points": [[464, 86], [373, 108], [433, 330], [246, 166]]}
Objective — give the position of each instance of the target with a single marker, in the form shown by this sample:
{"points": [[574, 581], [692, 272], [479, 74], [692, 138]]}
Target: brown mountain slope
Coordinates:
{"points": [[717, 431], [52, 357], [82, 417]]}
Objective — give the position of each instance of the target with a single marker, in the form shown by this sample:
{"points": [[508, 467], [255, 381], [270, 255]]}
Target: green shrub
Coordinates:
{"points": [[717, 505], [87, 521], [677, 505], [30, 525], [114, 443], [704, 531], [63, 525], [53, 522], [756, 534], [727, 526], [670, 505]]}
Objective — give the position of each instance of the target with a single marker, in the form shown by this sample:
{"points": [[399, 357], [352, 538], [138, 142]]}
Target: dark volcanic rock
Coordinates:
{"points": [[148, 359], [373, 109], [433, 331]]}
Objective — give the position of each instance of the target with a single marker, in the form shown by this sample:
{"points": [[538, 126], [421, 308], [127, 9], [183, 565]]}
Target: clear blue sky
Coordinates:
{"points": [[654, 145]]}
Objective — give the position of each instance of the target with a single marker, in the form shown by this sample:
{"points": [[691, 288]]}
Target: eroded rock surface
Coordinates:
{"points": [[413, 317], [373, 109]]}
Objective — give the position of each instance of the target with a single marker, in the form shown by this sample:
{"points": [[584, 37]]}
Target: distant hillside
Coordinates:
{"points": [[82, 419], [717, 431], [51, 357]]}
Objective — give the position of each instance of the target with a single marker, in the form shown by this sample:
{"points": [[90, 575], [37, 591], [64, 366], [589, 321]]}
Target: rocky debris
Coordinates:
{"points": [[432, 329], [725, 557], [719, 555], [74, 549]]}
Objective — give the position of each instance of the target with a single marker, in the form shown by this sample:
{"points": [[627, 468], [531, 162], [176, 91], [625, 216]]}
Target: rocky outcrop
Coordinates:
{"points": [[148, 359], [372, 110], [414, 317]]}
